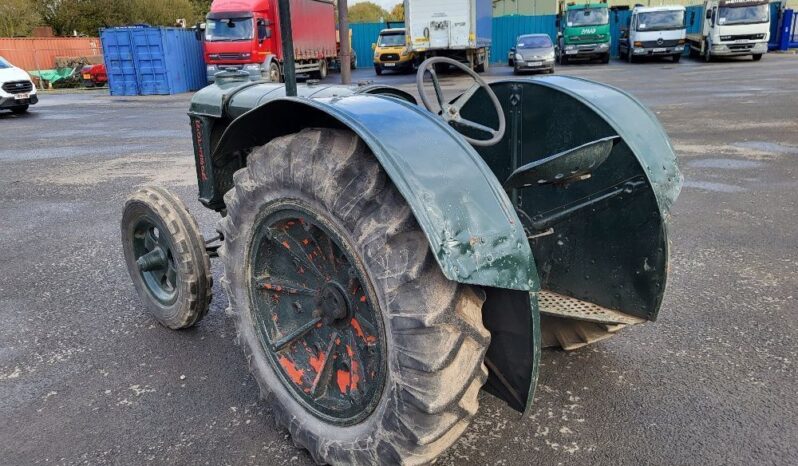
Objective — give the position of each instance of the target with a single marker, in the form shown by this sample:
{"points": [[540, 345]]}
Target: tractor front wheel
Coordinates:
{"points": [[166, 258], [366, 353]]}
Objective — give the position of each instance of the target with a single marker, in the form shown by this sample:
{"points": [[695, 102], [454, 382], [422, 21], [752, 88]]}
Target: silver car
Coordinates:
{"points": [[532, 52]]}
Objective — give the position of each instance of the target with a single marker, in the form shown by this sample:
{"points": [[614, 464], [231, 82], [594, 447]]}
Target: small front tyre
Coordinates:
{"points": [[366, 353], [166, 258]]}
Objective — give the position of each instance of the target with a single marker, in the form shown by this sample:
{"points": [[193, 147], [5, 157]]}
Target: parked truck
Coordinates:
{"points": [[245, 35], [583, 32], [457, 29], [653, 32], [732, 28]]}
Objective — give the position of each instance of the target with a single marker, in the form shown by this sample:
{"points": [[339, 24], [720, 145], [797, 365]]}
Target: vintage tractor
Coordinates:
{"points": [[385, 261]]}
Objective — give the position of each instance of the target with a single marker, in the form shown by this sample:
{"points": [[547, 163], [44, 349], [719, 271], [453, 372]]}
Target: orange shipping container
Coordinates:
{"points": [[38, 53]]}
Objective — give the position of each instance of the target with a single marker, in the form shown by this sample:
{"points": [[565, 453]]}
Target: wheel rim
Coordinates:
{"points": [[315, 315], [274, 73], [153, 251]]}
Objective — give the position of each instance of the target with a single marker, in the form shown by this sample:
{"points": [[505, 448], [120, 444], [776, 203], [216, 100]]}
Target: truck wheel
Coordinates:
{"points": [[677, 57], [605, 58], [378, 70], [166, 258], [756, 56], [20, 109], [322, 72], [274, 76], [563, 59], [707, 53], [366, 353], [630, 57]]}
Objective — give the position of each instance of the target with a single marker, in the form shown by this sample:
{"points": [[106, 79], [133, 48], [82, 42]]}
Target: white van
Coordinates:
{"points": [[17, 91]]}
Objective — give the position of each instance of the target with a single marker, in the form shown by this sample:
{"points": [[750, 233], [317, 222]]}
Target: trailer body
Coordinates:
{"points": [[458, 29]]}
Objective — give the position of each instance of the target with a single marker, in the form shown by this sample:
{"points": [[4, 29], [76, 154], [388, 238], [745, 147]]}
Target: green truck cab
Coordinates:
{"points": [[583, 32]]}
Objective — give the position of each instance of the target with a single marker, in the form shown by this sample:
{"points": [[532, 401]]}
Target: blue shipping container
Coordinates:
{"points": [[143, 60]]}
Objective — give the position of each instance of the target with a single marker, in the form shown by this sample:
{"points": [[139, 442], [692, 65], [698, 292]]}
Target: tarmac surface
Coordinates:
{"points": [[86, 376]]}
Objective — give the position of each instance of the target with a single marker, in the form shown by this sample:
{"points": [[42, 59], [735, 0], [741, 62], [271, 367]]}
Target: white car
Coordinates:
{"points": [[17, 91]]}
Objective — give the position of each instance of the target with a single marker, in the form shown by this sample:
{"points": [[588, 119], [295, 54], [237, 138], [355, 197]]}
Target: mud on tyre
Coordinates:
{"points": [[365, 351]]}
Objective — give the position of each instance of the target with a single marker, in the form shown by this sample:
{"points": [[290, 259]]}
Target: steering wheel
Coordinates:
{"points": [[451, 112]]}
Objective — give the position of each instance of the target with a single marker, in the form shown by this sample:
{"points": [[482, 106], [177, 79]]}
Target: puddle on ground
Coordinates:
{"points": [[714, 187], [768, 147], [724, 164]]}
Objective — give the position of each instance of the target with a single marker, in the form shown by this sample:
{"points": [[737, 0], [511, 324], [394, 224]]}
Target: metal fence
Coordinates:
{"points": [[36, 54]]}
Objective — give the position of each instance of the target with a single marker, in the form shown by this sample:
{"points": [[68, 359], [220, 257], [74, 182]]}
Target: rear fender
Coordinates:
{"points": [[465, 214]]}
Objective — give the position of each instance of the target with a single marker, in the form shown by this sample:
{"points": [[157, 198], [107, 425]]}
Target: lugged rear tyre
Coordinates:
{"points": [[431, 328]]}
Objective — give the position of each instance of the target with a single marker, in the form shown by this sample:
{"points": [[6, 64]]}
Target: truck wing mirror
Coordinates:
{"points": [[198, 31], [709, 14]]}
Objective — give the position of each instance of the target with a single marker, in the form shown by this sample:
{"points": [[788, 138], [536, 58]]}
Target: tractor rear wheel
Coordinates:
{"points": [[366, 353], [166, 258]]}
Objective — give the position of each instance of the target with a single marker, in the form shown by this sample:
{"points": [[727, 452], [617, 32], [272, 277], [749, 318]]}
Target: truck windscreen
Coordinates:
{"points": [[228, 29], [660, 20], [743, 14], [588, 17]]}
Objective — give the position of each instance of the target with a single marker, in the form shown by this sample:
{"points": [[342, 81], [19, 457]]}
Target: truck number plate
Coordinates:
{"points": [[390, 64], [659, 50], [21, 96], [570, 52], [534, 63]]}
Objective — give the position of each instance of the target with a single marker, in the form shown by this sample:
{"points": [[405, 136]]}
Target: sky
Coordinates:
{"points": [[387, 4]]}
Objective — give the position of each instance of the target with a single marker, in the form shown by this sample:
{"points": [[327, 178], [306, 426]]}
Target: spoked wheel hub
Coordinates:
{"points": [[315, 314]]}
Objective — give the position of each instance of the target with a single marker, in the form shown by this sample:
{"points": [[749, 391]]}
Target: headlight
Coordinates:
{"points": [[246, 55], [570, 47], [604, 45], [679, 48], [252, 66], [519, 57], [549, 56]]}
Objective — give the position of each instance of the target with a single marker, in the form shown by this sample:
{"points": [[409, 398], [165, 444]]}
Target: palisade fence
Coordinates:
{"points": [[507, 28]]}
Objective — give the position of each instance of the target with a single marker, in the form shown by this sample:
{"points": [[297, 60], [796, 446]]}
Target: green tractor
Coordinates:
{"points": [[384, 261]]}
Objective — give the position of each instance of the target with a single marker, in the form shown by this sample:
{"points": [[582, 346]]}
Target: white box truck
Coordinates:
{"points": [[732, 28], [656, 31], [458, 29]]}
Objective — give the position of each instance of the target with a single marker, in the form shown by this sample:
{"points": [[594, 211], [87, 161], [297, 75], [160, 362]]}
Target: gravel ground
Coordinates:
{"points": [[86, 376]]}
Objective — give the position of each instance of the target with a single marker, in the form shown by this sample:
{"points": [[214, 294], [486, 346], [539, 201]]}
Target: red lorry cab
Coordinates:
{"points": [[245, 34]]}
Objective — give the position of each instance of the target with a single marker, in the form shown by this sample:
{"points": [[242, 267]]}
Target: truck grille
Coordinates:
{"points": [[650, 44], [18, 87], [389, 57], [228, 56], [743, 37]]}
